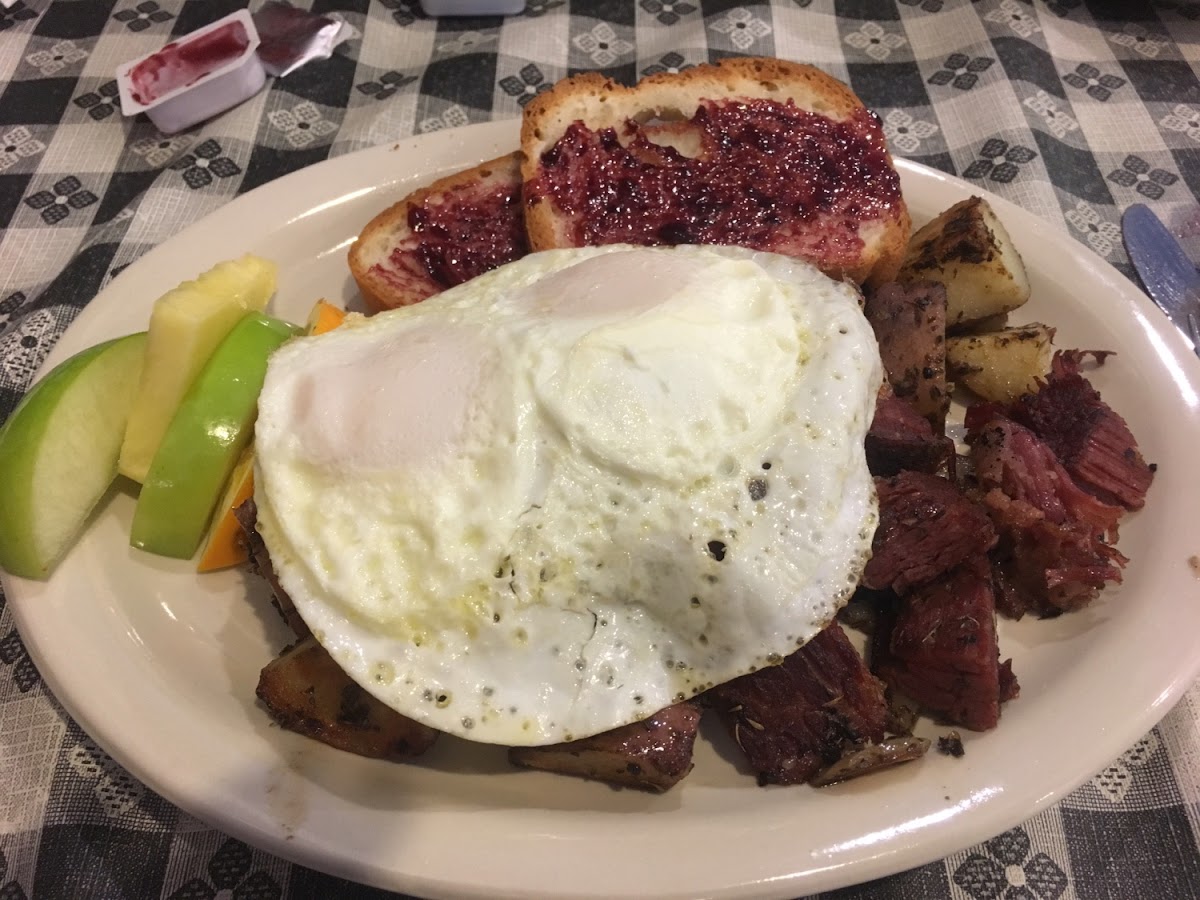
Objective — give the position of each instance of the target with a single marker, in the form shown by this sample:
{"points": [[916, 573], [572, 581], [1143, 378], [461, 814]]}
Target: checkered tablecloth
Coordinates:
{"points": [[1072, 110]]}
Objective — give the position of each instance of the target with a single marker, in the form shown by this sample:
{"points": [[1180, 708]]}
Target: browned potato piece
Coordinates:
{"points": [[967, 249], [1003, 365], [982, 326], [867, 758], [260, 564], [653, 754], [307, 692]]}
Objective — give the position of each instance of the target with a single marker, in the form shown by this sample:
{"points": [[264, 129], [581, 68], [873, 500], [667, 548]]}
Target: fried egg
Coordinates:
{"points": [[580, 488]]}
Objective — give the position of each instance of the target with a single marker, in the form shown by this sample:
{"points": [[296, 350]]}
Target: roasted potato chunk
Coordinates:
{"points": [[967, 249], [1003, 365], [307, 692], [652, 755], [260, 564], [863, 759], [982, 326]]}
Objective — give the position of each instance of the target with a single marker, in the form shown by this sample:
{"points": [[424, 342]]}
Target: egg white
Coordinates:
{"points": [[577, 489]]}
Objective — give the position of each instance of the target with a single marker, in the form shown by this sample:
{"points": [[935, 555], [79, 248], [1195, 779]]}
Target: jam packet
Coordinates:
{"points": [[292, 37]]}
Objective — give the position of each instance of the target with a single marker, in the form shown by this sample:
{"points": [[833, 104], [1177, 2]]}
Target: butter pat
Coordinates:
{"points": [[195, 77]]}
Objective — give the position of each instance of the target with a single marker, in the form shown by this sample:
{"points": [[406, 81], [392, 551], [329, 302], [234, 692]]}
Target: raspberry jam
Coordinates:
{"points": [[769, 176], [186, 61], [467, 233]]}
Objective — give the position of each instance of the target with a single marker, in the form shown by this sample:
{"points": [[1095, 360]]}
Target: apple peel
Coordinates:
{"points": [[201, 446], [58, 452]]}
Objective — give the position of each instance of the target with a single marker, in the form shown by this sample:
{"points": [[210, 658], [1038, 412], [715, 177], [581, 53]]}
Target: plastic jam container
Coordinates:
{"points": [[195, 77]]}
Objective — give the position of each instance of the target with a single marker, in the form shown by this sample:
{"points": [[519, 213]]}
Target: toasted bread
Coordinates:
{"points": [[764, 153], [456, 228]]}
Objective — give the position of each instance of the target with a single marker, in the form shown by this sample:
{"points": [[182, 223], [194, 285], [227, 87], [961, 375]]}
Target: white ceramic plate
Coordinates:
{"points": [[159, 665]]}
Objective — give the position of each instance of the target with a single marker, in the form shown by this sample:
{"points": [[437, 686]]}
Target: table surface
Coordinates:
{"points": [[1072, 110]]}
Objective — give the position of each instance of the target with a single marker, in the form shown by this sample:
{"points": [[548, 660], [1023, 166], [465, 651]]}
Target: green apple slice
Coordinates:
{"points": [[186, 325], [203, 442], [58, 452]]}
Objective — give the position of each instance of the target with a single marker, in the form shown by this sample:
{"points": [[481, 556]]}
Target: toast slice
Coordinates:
{"points": [[763, 153], [456, 228]]}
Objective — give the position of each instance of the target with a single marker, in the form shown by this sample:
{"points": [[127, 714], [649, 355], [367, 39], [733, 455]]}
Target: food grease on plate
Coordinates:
{"points": [[539, 559]]}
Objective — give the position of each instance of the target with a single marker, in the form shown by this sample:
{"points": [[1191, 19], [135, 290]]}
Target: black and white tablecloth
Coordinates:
{"points": [[1072, 110]]}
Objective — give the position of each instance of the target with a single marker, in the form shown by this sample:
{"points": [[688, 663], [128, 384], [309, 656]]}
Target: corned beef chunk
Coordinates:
{"points": [[652, 755], [1043, 567], [794, 719], [901, 438], [941, 651], [1010, 688], [909, 321], [1053, 553], [927, 526], [1010, 457], [1092, 441]]}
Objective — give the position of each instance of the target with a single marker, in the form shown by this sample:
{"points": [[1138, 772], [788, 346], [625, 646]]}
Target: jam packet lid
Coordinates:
{"points": [[195, 76], [292, 37]]}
